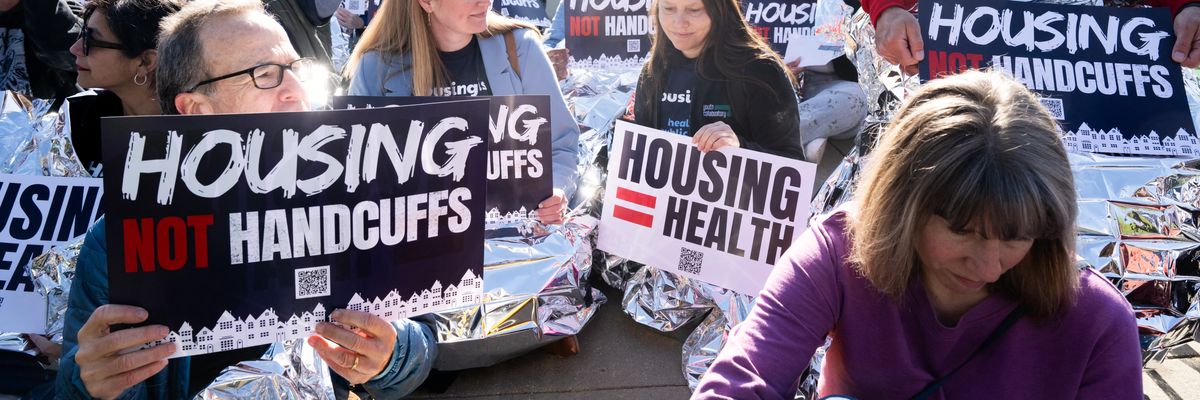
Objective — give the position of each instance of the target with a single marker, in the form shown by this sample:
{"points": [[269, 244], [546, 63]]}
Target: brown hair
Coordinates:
{"points": [[729, 47], [402, 27], [976, 147]]}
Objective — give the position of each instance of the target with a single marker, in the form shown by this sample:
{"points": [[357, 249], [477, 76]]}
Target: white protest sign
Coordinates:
{"points": [[36, 214], [811, 50], [723, 217]]}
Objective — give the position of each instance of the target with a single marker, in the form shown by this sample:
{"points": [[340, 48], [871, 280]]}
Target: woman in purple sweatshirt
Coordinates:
{"points": [[963, 229]]}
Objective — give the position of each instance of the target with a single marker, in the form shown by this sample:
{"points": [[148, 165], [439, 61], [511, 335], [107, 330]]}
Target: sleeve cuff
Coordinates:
{"points": [[877, 8]]}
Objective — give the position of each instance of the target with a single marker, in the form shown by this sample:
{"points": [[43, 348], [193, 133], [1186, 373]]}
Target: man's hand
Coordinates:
{"points": [[360, 350], [552, 209], [348, 20], [105, 372], [898, 39], [1187, 37], [714, 136]]}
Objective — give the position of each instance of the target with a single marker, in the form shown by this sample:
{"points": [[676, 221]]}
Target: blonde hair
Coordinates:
{"points": [[402, 27], [976, 147]]}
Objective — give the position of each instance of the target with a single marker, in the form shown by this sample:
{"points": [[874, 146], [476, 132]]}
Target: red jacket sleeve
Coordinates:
{"points": [[876, 7], [1174, 5]]}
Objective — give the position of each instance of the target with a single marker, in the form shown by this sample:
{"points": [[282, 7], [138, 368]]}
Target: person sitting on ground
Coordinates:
{"points": [[115, 57], [709, 76], [221, 56], [898, 34], [950, 275], [432, 47]]}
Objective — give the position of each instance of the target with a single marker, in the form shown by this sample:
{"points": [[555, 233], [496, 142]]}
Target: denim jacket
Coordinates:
{"points": [[391, 75]]}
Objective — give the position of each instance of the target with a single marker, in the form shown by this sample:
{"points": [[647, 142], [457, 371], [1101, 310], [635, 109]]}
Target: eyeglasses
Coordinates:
{"points": [[90, 41], [266, 76]]}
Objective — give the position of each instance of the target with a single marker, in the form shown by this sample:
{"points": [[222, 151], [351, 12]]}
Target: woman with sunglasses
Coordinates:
{"points": [[115, 56], [461, 48]]}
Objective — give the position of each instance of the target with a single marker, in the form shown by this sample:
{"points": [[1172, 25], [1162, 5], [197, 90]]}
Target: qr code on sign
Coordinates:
{"points": [[1055, 106], [690, 261], [312, 282], [633, 46]]}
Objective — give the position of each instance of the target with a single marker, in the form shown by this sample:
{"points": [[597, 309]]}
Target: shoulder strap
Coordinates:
{"points": [[510, 42], [1008, 322]]}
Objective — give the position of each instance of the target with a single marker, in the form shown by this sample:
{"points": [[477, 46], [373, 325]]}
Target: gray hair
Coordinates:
{"points": [[180, 53]]}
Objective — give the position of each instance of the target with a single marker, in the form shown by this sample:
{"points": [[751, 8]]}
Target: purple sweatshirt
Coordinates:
{"points": [[886, 349]]}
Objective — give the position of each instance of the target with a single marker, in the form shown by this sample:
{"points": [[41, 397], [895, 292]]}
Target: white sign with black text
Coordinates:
{"points": [[723, 217]]}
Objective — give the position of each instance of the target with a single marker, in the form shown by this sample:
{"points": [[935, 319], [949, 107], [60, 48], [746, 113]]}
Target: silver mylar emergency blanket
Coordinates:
{"points": [[34, 140], [289, 370], [1137, 225]]}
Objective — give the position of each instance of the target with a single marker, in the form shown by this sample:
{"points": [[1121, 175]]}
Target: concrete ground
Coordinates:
{"points": [[621, 359]]}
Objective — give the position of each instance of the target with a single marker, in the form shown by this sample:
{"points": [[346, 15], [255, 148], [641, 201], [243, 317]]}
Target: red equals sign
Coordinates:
{"points": [[631, 215]]}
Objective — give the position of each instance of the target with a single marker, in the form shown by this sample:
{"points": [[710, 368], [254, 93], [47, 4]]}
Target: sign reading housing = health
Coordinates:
{"points": [[36, 214], [723, 217]]}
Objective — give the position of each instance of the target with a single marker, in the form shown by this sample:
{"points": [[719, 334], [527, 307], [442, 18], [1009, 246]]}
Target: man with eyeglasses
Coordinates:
{"points": [[226, 56]]}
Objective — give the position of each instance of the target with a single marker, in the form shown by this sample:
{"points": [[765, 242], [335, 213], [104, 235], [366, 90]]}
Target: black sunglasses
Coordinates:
{"points": [[266, 76], [90, 41]]}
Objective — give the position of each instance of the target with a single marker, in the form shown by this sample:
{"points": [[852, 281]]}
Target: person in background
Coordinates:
{"points": [[556, 47], [355, 23], [898, 34], [951, 274], [221, 56], [115, 56], [832, 103], [436, 47], [710, 77], [35, 36]]}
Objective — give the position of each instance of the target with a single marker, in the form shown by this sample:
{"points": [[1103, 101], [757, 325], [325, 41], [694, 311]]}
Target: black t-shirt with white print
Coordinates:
{"points": [[675, 106], [465, 71]]}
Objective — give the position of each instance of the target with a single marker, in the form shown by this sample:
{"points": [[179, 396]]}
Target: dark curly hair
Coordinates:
{"points": [[134, 22]]}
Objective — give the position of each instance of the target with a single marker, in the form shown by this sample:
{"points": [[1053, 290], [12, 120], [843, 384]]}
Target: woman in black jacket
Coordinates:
{"points": [[709, 76], [114, 52]]}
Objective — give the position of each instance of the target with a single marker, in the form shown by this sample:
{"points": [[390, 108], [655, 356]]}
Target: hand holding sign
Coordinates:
{"points": [[105, 371], [348, 19], [898, 39], [1187, 37], [358, 353], [714, 136], [551, 210]]}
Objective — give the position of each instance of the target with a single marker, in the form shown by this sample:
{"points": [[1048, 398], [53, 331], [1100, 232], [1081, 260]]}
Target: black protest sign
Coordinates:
{"points": [[240, 230], [519, 166], [36, 214], [608, 33], [778, 20], [1105, 73], [531, 11]]}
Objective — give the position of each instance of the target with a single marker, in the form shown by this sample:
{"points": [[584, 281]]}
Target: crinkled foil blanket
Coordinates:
{"points": [[1138, 226], [536, 283], [34, 140]]}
